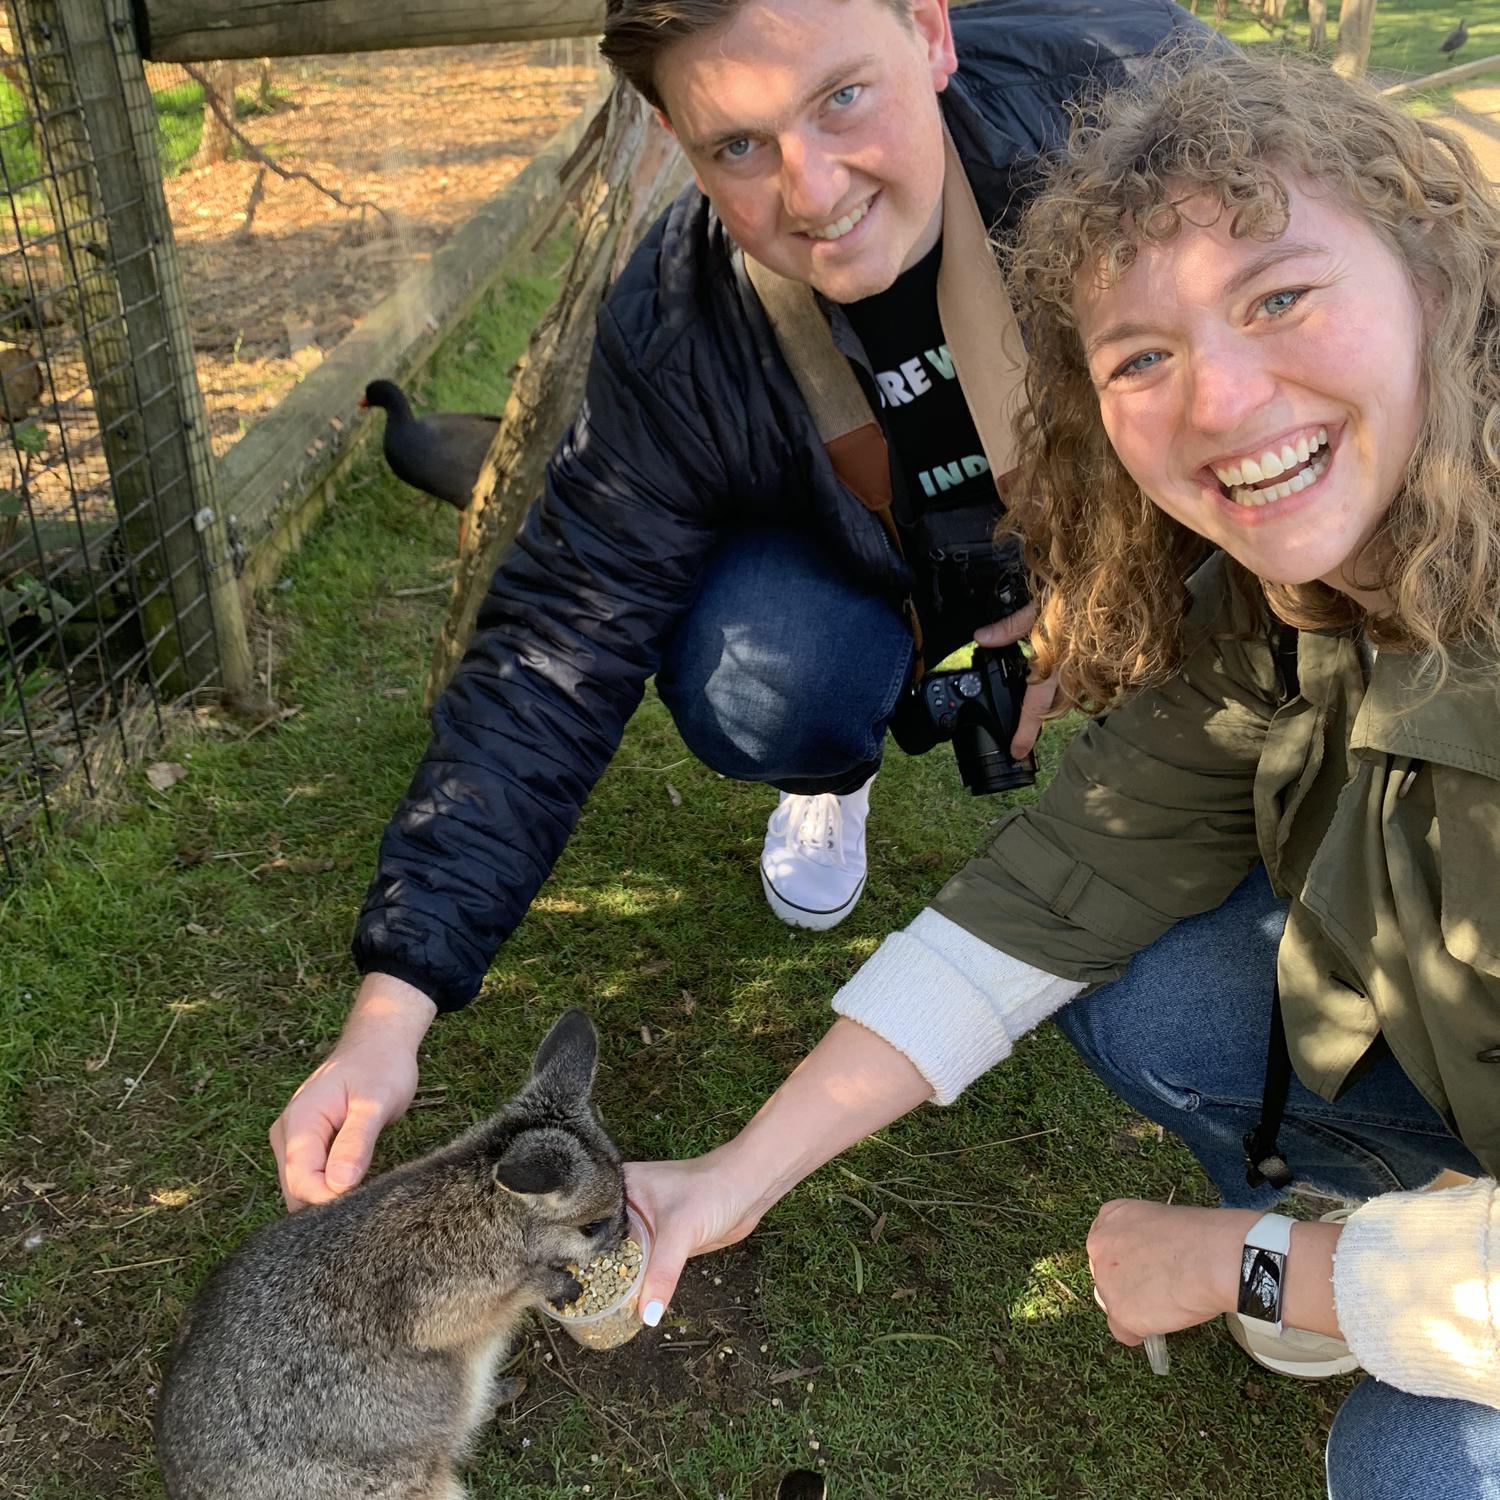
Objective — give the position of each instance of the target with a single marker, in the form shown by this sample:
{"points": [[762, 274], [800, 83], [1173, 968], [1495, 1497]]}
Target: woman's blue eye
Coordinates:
{"points": [[1141, 363], [1280, 302], [844, 97]]}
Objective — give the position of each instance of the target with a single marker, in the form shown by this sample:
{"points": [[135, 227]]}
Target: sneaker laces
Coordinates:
{"points": [[814, 824]]}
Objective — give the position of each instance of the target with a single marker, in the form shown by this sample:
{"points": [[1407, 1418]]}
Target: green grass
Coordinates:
{"points": [[196, 945], [179, 126], [1405, 38]]}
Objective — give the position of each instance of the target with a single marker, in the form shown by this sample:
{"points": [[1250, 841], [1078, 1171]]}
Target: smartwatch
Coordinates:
{"points": [[1263, 1269]]}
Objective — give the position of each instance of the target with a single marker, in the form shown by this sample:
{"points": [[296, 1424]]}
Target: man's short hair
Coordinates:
{"points": [[637, 32]]}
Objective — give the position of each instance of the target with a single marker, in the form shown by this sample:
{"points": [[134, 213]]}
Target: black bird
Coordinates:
{"points": [[439, 454], [1455, 39]]}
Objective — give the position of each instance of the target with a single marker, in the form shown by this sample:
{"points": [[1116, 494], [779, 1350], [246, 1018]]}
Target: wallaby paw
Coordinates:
{"points": [[512, 1388], [563, 1287]]}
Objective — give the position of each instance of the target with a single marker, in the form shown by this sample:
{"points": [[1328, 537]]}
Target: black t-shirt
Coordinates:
{"points": [[932, 435], [946, 502]]}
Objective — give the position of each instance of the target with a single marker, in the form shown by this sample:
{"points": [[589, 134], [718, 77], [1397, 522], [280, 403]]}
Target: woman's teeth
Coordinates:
{"points": [[1303, 462], [838, 229]]}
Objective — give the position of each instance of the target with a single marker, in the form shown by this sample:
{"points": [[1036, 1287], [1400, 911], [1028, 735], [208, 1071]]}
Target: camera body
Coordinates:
{"points": [[972, 577], [978, 708]]}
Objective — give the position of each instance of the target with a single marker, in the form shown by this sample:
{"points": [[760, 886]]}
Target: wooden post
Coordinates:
{"points": [[633, 167], [102, 193], [236, 665], [211, 30]]}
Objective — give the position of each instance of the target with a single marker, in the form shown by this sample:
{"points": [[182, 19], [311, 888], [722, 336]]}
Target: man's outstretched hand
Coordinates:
{"points": [[324, 1138], [1040, 696]]}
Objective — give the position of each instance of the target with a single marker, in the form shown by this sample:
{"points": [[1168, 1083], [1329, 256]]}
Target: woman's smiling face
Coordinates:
{"points": [[1268, 394]]}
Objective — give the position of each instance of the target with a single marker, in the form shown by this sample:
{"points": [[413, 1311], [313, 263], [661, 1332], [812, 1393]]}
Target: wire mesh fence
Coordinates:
{"points": [[301, 190], [104, 609], [180, 245]]}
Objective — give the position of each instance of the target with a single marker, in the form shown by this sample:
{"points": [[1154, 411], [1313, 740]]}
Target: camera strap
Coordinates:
{"points": [[984, 341], [1264, 1162]]}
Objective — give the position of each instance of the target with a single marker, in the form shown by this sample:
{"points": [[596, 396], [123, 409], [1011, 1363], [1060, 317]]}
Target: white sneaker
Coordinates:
{"points": [[813, 863], [1294, 1351]]}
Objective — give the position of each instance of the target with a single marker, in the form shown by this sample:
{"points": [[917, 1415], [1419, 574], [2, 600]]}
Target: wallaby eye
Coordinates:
{"points": [[596, 1228]]}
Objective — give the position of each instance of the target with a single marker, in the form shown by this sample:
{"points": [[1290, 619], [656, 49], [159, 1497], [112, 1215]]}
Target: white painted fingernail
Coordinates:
{"points": [[652, 1315]]}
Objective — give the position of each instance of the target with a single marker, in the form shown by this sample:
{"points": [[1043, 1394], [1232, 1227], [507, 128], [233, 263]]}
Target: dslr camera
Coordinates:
{"points": [[978, 708], [971, 580]]}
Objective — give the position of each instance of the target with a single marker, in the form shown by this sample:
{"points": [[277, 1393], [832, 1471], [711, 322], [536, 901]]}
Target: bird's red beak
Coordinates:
{"points": [[363, 403]]}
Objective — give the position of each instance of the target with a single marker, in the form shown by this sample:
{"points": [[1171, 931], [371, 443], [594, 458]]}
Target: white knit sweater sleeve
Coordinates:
{"points": [[1416, 1281], [947, 1000]]}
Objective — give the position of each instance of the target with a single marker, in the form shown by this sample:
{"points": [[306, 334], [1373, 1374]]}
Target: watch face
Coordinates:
{"points": [[1260, 1284]]}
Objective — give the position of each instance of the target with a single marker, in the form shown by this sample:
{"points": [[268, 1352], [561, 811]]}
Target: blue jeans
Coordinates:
{"points": [[784, 670], [1181, 1037]]}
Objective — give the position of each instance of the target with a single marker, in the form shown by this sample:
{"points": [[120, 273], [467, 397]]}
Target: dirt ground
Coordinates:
{"points": [[423, 138], [277, 271], [1475, 114]]}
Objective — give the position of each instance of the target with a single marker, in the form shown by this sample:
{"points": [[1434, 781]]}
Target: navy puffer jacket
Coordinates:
{"points": [[691, 424]]}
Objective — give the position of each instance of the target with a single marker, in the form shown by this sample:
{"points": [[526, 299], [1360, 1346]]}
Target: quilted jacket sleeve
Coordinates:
{"points": [[569, 632]]}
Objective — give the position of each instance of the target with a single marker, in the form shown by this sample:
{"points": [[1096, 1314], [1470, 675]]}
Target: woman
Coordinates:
{"points": [[1264, 315]]}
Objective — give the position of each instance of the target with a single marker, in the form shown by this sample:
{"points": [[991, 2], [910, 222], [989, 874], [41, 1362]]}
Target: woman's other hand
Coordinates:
{"points": [[1159, 1268]]}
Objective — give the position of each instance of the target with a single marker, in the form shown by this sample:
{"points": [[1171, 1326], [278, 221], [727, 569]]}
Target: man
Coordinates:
{"points": [[692, 525]]}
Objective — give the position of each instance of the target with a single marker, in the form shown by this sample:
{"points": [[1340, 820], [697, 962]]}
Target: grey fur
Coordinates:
{"points": [[351, 1349]]}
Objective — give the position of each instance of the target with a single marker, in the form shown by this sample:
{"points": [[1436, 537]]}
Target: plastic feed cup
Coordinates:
{"points": [[619, 1322]]}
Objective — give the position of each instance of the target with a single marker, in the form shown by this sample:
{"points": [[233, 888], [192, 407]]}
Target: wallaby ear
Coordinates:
{"points": [[532, 1165], [566, 1059]]}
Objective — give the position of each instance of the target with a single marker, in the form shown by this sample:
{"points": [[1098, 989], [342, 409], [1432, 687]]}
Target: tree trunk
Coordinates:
{"points": [[219, 79], [1351, 52], [1317, 25], [630, 167]]}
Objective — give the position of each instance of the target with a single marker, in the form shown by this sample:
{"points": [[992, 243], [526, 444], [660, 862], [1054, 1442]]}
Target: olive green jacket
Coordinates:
{"points": [[1377, 816]]}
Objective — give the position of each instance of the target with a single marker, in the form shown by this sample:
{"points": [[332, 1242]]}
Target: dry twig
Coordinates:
{"points": [[225, 117]]}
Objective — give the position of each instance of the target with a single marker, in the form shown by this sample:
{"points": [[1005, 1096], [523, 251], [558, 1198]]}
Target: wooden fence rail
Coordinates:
{"points": [[212, 30]]}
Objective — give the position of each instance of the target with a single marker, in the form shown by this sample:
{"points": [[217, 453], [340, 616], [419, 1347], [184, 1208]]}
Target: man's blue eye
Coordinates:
{"points": [[845, 96], [737, 150]]}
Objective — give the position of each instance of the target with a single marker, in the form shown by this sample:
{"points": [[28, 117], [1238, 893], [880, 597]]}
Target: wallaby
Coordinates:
{"points": [[351, 1349]]}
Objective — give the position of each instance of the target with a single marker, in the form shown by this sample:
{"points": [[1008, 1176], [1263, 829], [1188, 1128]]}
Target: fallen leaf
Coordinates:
{"points": [[877, 1229], [656, 966], [165, 774], [394, 692], [41, 1189], [674, 795], [646, 1036], [197, 929]]}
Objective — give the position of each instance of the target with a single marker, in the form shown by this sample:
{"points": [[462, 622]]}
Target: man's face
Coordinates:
{"points": [[813, 126]]}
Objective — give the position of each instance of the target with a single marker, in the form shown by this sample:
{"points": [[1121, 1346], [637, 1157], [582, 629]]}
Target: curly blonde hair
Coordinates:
{"points": [[1111, 564]]}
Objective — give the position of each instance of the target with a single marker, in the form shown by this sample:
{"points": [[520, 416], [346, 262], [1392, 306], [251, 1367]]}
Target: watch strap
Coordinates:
{"points": [[1263, 1269]]}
